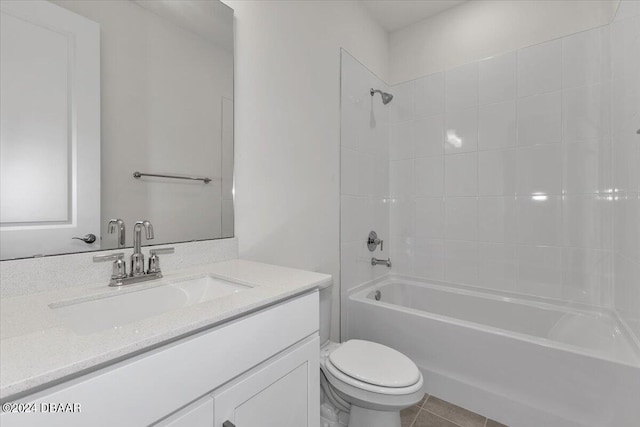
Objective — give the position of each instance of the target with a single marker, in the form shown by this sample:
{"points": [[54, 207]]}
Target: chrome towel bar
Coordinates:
{"points": [[138, 175]]}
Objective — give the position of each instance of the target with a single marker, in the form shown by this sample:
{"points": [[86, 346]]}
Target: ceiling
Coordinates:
{"points": [[396, 14]]}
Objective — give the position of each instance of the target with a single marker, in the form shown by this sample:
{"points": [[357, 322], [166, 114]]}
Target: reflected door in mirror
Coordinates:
{"points": [[50, 131]]}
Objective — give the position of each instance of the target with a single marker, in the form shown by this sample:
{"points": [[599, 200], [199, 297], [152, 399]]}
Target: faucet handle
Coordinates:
{"points": [[153, 252], [108, 257], [119, 271], [154, 261]]}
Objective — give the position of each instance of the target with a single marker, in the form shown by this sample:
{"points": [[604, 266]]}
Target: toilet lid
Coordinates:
{"points": [[374, 363]]}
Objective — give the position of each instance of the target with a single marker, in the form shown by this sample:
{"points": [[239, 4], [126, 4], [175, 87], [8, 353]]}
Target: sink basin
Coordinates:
{"points": [[112, 311]]}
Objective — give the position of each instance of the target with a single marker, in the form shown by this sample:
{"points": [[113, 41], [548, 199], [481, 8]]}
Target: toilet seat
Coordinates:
{"points": [[374, 364], [372, 367]]}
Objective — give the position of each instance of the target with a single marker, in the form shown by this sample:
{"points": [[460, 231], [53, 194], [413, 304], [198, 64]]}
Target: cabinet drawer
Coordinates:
{"points": [[144, 389]]}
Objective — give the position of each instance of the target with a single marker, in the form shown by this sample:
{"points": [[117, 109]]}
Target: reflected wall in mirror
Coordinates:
{"points": [[93, 91]]}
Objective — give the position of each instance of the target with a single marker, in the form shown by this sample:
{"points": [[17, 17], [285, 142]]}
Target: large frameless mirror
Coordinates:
{"points": [[114, 110]]}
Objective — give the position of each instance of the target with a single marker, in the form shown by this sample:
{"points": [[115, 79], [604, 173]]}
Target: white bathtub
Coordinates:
{"points": [[524, 362]]}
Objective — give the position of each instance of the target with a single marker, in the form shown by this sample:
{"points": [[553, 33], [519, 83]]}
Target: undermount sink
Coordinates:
{"points": [[110, 311]]}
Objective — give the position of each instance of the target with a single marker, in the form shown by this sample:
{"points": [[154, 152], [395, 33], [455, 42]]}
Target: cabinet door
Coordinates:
{"points": [[282, 392], [198, 414]]}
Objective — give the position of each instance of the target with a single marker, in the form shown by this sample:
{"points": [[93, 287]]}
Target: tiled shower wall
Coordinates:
{"points": [[500, 172], [364, 174], [520, 172], [625, 67]]}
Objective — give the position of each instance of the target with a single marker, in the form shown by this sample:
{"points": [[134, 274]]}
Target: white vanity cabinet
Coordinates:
{"points": [[259, 369]]}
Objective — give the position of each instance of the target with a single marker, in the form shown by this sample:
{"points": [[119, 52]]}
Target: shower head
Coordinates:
{"points": [[386, 97]]}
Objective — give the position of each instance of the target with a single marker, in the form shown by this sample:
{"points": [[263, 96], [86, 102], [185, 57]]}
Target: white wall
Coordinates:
{"points": [[482, 28], [287, 128], [625, 109]]}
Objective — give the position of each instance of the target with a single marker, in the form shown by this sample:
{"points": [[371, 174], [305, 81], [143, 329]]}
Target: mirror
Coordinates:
{"points": [[95, 92]]}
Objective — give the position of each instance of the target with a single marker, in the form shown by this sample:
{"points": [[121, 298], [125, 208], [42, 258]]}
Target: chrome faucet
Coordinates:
{"points": [[118, 224], [137, 258], [376, 261], [119, 274]]}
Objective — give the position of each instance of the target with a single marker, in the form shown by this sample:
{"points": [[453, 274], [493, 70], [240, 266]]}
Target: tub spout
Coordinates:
{"points": [[376, 261]]}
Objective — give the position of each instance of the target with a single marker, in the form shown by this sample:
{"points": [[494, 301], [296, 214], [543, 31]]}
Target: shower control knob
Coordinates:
{"points": [[373, 242]]}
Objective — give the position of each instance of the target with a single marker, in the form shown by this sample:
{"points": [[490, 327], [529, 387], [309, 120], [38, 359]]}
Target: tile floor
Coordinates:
{"points": [[434, 412]]}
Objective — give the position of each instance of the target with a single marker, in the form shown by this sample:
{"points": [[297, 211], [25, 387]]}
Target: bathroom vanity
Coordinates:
{"points": [[242, 357]]}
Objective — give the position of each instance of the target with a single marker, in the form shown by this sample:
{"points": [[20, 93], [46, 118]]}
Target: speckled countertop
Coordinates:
{"points": [[37, 348]]}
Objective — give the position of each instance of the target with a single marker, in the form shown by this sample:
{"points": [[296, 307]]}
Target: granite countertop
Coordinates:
{"points": [[38, 348]]}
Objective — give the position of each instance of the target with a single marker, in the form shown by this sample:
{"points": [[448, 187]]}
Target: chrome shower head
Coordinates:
{"points": [[386, 97]]}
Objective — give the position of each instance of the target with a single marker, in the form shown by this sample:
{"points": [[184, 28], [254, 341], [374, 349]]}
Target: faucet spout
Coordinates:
{"points": [[118, 224], [137, 258]]}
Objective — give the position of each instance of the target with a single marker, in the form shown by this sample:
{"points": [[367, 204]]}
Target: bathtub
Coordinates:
{"points": [[522, 361]]}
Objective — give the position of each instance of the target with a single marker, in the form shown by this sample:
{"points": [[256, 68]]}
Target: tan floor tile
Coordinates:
{"points": [[408, 415], [491, 423], [456, 414], [427, 419], [424, 399]]}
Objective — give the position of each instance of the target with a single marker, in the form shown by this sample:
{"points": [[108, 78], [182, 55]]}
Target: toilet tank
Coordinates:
{"points": [[325, 313]]}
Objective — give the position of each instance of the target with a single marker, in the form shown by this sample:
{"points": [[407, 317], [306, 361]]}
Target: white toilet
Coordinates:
{"points": [[370, 381]]}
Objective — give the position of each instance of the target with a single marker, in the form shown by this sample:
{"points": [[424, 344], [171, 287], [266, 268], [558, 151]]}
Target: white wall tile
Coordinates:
{"points": [[627, 291], [365, 175], [585, 112], [429, 136], [624, 47], [497, 266], [526, 202], [429, 218], [402, 218], [401, 143], [540, 119], [497, 219], [497, 79], [356, 219], [461, 131], [349, 265], [402, 106], [429, 95], [585, 59], [586, 167], [626, 158], [429, 176], [497, 126], [461, 172], [497, 172], [428, 261], [461, 218], [349, 164], [461, 87], [402, 255], [584, 273], [539, 270], [540, 221], [401, 178], [381, 178], [627, 226], [586, 221], [540, 68], [461, 262], [539, 169]]}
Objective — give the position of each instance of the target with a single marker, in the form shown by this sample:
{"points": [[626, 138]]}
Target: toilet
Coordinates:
{"points": [[364, 384]]}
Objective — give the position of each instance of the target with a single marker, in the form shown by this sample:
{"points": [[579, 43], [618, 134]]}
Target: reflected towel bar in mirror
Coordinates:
{"points": [[137, 175]]}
